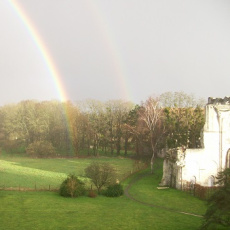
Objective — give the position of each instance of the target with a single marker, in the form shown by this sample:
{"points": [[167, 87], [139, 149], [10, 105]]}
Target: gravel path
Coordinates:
{"points": [[134, 180]]}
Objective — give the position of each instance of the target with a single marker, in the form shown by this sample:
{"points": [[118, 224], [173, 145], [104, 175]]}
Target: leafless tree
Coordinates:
{"points": [[101, 174], [151, 115]]}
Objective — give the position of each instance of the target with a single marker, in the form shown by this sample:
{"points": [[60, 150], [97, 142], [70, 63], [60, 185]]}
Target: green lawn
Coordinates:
{"points": [[48, 210], [28, 172], [145, 190]]}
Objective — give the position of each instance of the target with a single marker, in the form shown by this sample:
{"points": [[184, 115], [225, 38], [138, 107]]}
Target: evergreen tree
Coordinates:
{"points": [[217, 215]]}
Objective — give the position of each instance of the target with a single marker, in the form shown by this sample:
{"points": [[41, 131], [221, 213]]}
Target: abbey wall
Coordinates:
{"points": [[200, 166]]}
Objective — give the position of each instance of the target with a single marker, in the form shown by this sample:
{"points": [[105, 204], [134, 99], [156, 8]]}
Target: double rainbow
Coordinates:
{"points": [[109, 42]]}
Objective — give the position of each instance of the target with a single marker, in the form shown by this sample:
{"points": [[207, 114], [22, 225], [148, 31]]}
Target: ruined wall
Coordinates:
{"points": [[202, 165], [173, 162]]}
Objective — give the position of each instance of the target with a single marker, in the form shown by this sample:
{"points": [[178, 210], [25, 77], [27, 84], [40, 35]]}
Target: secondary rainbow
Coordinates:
{"points": [[42, 49], [112, 47], [110, 42]]}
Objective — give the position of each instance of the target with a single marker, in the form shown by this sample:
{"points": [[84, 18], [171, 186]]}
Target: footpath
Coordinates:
{"points": [[139, 177]]}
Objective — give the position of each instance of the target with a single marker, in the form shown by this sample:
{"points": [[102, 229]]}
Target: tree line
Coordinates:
{"points": [[93, 127]]}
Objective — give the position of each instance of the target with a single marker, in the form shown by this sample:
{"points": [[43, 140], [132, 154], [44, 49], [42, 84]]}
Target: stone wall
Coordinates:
{"points": [[202, 165]]}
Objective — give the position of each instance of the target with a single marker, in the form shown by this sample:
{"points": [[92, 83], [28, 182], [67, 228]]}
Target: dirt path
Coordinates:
{"points": [[134, 180]]}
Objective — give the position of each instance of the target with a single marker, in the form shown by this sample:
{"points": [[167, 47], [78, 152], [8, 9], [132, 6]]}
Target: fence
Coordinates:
{"points": [[36, 186], [202, 192], [137, 167]]}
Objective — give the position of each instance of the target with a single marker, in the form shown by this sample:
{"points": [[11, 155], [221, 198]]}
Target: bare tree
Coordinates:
{"points": [[151, 115], [101, 174]]}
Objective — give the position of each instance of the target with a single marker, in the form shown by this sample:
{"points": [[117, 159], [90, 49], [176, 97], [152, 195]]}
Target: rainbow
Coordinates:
{"points": [[42, 49], [112, 47], [109, 39], [50, 65]]}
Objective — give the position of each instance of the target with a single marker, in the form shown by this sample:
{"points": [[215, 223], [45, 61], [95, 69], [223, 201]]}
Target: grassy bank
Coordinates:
{"points": [[48, 210]]}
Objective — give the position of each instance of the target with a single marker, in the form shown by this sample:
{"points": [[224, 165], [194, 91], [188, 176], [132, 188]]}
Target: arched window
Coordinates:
{"points": [[192, 181], [211, 181], [228, 159]]}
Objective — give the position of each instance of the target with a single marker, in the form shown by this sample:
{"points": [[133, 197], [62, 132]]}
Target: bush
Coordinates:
{"points": [[114, 190], [72, 187], [101, 174], [13, 146], [92, 194], [41, 149], [217, 215]]}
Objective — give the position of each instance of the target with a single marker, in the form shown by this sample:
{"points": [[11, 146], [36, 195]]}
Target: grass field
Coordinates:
{"points": [[47, 210], [26, 172], [146, 190]]}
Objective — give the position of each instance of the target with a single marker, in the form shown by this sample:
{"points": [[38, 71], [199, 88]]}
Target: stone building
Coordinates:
{"points": [[200, 166]]}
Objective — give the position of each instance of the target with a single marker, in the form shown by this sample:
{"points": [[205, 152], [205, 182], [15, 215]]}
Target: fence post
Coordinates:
{"points": [[194, 189]]}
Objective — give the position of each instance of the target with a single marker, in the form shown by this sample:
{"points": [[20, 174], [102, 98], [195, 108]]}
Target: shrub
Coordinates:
{"points": [[14, 146], [41, 149], [101, 174], [72, 187], [217, 215], [92, 194], [114, 190]]}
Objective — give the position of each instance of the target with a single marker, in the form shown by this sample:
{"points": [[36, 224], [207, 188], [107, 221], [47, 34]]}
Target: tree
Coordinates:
{"points": [[95, 126], [151, 116], [97, 123], [110, 121], [41, 149], [101, 174], [106, 124], [218, 211], [114, 190], [184, 119], [130, 133], [10, 122], [72, 187], [135, 130], [58, 133], [120, 111], [33, 120], [73, 115], [180, 100]]}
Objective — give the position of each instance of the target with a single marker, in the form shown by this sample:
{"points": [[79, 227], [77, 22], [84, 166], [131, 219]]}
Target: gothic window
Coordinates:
{"points": [[192, 182], [211, 181], [228, 159]]}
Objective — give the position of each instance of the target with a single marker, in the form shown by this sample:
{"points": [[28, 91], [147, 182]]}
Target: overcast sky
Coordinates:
{"points": [[116, 49]]}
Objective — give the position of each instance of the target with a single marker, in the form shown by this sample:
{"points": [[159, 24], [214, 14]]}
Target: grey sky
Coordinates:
{"points": [[116, 49]]}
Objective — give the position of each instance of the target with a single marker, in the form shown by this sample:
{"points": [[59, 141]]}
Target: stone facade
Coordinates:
{"points": [[200, 166]]}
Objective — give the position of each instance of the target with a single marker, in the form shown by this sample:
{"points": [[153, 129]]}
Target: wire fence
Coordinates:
{"points": [[40, 186], [31, 188]]}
